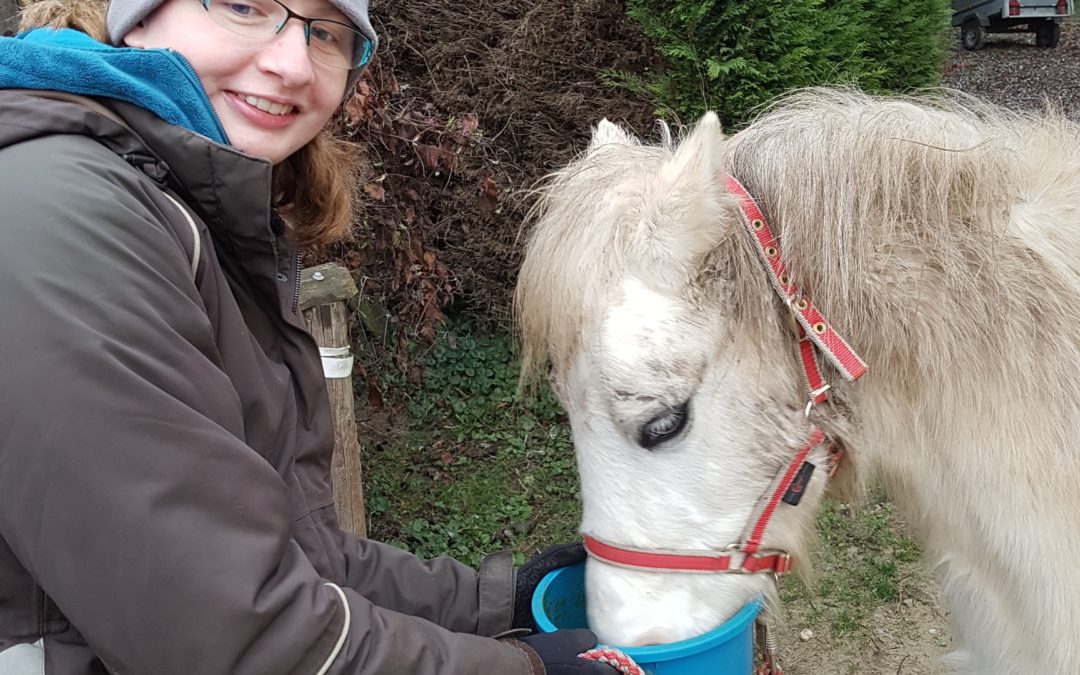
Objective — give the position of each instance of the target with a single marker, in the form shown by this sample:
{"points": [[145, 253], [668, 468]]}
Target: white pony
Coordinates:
{"points": [[941, 239]]}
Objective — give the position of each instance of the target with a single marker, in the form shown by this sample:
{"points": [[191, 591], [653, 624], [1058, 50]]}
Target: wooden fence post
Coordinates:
{"points": [[324, 292]]}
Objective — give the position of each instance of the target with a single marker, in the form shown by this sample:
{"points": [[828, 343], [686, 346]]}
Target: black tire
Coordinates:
{"points": [[1047, 35], [972, 35]]}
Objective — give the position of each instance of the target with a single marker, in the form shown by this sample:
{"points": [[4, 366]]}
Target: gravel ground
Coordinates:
{"points": [[1011, 71]]}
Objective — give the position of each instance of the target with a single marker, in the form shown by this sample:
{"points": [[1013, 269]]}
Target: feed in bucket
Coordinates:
{"points": [[559, 602]]}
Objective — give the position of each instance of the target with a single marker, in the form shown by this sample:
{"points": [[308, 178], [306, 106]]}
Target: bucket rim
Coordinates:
{"points": [[739, 622]]}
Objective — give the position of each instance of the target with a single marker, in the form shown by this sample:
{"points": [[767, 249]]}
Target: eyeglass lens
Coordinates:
{"points": [[332, 43]]}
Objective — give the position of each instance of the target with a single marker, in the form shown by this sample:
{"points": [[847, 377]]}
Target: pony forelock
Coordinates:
{"points": [[620, 207]]}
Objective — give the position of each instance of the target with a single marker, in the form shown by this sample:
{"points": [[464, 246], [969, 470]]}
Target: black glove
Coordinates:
{"points": [[559, 652], [529, 575]]}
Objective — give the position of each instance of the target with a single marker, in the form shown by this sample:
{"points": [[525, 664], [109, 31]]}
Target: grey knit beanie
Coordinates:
{"points": [[123, 15]]}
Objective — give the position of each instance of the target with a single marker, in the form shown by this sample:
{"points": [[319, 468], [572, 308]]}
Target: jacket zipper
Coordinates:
{"points": [[42, 609], [295, 271], [217, 119], [296, 284], [206, 99]]}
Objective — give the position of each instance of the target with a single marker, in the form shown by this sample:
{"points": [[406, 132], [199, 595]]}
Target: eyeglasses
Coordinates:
{"points": [[332, 43]]}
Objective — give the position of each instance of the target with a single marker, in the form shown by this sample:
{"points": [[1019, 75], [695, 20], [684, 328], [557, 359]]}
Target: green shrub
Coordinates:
{"points": [[733, 57]]}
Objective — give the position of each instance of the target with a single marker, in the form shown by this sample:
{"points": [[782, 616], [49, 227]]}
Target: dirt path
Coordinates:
{"points": [[831, 634]]}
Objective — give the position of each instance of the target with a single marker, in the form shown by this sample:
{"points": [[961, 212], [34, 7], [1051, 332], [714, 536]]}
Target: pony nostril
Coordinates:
{"points": [[665, 426]]}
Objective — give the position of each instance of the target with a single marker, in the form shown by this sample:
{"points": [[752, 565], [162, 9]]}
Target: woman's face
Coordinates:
{"points": [[271, 97]]}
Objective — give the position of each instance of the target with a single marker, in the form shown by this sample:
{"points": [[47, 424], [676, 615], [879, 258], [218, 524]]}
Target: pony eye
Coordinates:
{"points": [[664, 427]]}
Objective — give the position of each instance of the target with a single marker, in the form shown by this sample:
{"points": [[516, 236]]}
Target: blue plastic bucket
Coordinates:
{"points": [[728, 649]]}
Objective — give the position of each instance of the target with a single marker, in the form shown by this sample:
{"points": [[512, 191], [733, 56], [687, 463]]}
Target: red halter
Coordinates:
{"points": [[747, 556], [812, 324]]}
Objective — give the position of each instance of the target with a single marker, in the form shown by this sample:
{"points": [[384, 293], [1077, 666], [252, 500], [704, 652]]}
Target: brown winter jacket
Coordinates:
{"points": [[165, 438]]}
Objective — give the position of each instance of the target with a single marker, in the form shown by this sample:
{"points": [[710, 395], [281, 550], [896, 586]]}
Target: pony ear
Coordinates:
{"points": [[698, 155], [609, 133], [683, 213]]}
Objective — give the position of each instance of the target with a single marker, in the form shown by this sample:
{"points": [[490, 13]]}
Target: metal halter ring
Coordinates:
{"points": [[813, 398]]}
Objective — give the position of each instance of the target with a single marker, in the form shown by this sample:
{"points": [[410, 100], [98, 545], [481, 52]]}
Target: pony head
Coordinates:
{"points": [[668, 350]]}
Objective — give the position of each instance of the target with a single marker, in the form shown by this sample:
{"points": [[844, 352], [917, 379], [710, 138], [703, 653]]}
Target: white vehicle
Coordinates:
{"points": [[976, 18]]}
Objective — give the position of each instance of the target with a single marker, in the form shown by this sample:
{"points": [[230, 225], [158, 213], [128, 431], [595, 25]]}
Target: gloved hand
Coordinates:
{"points": [[529, 575], [559, 651]]}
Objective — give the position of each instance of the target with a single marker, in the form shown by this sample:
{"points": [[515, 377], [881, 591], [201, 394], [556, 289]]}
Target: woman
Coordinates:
{"points": [[165, 500]]}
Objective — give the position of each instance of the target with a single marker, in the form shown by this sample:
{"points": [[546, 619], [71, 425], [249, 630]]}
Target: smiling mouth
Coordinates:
{"points": [[267, 106]]}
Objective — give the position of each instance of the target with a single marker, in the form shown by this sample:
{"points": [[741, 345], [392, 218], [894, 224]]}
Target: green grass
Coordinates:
{"points": [[465, 469], [470, 469], [863, 562]]}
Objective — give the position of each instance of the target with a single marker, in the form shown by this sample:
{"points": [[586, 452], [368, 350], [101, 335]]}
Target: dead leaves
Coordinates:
{"points": [[489, 195], [411, 142]]}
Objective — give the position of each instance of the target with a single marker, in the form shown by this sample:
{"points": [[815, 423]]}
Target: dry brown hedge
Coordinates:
{"points": [[468, 106]]}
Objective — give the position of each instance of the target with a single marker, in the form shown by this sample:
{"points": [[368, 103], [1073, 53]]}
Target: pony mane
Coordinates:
{"points": [[936, 232], [909, 221]]}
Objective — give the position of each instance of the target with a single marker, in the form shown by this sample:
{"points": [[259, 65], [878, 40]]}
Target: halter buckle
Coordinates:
{"points": [[791, 322], [760, 561]]}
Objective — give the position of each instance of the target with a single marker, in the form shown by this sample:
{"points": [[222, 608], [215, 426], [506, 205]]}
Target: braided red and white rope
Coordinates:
{"points": [[614, 658]]}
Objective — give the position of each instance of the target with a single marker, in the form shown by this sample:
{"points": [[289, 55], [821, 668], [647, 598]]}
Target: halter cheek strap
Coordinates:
{"points": [[815, 330]]}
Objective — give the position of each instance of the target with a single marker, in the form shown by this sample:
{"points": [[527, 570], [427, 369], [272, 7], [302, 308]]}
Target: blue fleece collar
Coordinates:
{"points": [[158, 80]]}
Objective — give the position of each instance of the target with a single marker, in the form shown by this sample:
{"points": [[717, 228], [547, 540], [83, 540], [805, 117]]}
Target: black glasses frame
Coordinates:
{"points": [[364, 50]]}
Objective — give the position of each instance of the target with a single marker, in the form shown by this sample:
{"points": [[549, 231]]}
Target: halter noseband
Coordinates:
{"points": [[747, 556]]}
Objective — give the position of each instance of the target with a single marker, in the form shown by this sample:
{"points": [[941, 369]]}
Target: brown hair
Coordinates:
{"points": [[314, 188]]}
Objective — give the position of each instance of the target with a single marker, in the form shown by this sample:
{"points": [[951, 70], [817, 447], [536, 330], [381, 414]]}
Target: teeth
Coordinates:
{"points": [[268, 106]]}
